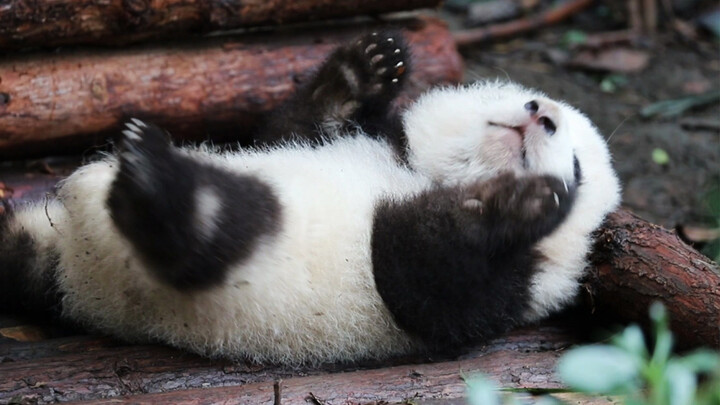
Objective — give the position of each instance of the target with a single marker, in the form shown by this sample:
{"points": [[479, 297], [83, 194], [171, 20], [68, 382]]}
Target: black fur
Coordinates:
{"points": [[354, 87], [23, 289], [453, 264], [153, 203]]}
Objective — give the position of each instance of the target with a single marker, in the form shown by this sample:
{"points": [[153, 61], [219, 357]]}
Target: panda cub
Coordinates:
{"points": [[349, 232]]}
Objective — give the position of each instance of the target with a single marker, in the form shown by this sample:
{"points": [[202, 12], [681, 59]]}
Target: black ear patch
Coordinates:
{"points": [[188, 220]]}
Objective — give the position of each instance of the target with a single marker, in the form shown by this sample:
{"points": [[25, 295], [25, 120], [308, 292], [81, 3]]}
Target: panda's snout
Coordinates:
{"points": [[543, 114]]}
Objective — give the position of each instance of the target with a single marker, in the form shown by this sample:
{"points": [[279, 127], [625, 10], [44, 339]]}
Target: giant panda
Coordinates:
{"points": [[349, 231]]}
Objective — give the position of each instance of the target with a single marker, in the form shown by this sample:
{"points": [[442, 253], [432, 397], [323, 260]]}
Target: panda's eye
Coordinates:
{"points": [[578, 171]]}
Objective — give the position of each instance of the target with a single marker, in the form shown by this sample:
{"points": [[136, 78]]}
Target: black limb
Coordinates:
{"points": [[27, 277], [189, 220], [354, 87], [453, 265]]}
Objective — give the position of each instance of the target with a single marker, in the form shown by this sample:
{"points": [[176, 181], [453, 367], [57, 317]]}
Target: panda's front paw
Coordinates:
{"points": [[384, 61], [520, 199]]}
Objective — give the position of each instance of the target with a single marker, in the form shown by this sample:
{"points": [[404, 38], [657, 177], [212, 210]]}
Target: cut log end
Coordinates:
{"points": [[636, 263]]}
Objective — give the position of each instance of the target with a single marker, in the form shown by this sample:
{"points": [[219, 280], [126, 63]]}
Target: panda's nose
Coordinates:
{"points": [[532, 106], [542, 117]]}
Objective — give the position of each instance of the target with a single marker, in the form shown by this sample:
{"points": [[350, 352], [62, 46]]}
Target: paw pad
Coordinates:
{"points": [[386, 57]]}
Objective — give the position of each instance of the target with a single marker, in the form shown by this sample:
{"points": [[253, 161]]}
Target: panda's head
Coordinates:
{"points": [[466, 134]]}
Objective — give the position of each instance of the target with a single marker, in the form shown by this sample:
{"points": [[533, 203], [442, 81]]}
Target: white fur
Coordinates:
{"points": [[451, 142], [307, 294]]}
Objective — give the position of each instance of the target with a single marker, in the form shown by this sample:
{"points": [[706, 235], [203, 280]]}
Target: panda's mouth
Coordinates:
{"points": [[520, 130]]}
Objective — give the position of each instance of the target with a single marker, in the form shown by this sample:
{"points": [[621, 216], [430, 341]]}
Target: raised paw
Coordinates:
{"points": [[520, 198], [518, 209], [142, 149], [385, 61]]}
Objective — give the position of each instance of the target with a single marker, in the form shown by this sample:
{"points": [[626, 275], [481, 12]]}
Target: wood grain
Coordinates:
{"points": [[26, 23], [60, 103], [72, 369], [636, 263]]}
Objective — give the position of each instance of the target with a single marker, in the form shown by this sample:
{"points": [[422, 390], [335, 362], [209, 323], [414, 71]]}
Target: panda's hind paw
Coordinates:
{"points": [[385, 57]]}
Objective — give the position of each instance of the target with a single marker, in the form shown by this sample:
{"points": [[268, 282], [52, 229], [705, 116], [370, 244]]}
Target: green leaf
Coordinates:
{"points": [[574, 37], [608, 86], [600, 369], [682, 384], [663, 348], [663, 336], [632, 340], [711, 22], [702, 361], [660, 156], [670, 108], [659, 315], [482, 391], [545, 400], [712, 199]]}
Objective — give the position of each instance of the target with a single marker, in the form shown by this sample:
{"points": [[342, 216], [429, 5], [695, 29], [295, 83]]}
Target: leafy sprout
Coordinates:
{"points": [[628, 367]]}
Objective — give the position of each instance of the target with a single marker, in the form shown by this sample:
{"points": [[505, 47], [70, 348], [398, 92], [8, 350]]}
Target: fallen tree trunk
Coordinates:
{"points": [[51, 104], [71, 369], [636, 263], [60, 22]]}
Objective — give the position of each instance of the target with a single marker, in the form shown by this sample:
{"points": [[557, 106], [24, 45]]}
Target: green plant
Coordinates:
{"points": [[712, 200], [643, 377], [627, 368]]}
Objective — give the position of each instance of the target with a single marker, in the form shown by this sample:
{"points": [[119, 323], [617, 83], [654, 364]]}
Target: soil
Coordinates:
{"points": [[669, 194]]}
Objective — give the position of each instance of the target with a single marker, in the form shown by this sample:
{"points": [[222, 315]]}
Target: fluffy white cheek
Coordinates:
{"points": [[565, 251]]}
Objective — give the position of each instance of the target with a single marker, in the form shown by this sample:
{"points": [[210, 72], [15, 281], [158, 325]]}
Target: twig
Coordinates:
{"points": [[47, 214], [650, 16], [552, 16], [609, 39], [635, 16], [314, 400], [277, 391]]}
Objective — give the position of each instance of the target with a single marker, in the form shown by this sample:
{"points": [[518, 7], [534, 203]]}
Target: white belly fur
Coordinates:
{"points": [[307, 293]]}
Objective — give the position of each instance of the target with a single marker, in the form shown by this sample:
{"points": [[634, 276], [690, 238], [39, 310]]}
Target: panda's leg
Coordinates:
{"points": [[354, 86], [454, 265], [29, 259], [189, 220]]}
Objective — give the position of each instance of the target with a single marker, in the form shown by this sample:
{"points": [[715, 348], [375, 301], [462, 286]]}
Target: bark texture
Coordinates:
{"points": [[57, 103], [87, 368], [636, 263], [106, 22]]}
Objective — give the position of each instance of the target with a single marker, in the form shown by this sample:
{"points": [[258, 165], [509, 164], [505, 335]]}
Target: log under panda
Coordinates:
{"points": [[349, 232]]}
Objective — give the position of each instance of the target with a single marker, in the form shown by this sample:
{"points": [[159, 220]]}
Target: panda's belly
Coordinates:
{"points": [[307, 292]]}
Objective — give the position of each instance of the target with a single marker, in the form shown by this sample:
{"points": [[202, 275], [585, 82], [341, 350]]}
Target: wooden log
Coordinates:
{"points": [[63, 370], [111, 22], [211, 90], [636, 263]]}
